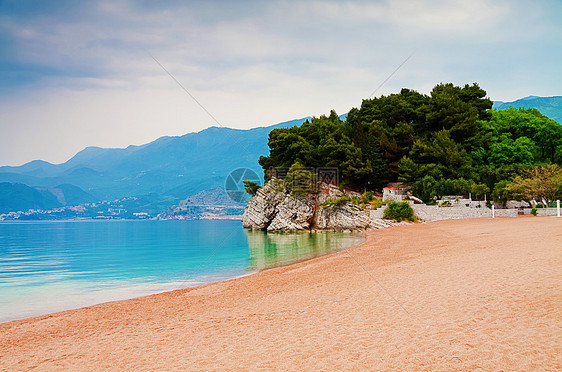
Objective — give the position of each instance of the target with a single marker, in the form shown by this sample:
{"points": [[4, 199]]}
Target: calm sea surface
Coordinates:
{"points": [[52, 266]]}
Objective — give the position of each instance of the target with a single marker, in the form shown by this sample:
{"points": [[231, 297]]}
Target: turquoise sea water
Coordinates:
{"points": [[57, 265]]}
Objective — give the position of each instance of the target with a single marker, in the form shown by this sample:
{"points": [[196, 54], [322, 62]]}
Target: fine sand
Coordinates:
{"points": [[477, 294]]}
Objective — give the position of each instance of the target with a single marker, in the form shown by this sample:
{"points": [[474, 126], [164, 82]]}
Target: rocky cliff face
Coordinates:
{"points": [[275, 209]]}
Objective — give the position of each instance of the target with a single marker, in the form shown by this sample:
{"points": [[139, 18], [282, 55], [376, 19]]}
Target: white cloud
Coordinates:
{"points": [[257, 63], [424, 16]]}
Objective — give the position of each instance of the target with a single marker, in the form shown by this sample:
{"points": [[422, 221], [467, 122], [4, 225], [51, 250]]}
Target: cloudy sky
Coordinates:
{"points": [[76, 74]]}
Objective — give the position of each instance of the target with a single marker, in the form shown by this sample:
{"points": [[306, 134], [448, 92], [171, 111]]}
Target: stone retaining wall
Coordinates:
{"points": [[377, 213], [436, 213], [507, 212], [542, 212], [546, 212]]}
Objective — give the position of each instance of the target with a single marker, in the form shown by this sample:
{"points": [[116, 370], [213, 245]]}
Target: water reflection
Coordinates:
{"points": [[276, 249], [57, 265]]}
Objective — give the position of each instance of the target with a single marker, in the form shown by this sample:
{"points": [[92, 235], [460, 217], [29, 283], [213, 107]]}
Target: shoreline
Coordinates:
{"points": [[201, 284], [219, 218], [327, 312], [77, 294], [142, 290]]}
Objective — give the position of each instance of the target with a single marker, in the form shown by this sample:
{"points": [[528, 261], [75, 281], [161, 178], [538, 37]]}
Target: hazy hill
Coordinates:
{"points": [[215, 196], [549, 106], [71, 195], [174, 166], [214, 201], [19, 197]]}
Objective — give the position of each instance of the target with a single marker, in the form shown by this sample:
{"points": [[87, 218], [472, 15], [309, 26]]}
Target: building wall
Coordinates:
{"points": [[392, 194]]}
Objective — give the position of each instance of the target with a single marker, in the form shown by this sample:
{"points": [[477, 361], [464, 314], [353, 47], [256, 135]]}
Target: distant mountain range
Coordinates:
{"points": [[171, 166], [548, 106]]}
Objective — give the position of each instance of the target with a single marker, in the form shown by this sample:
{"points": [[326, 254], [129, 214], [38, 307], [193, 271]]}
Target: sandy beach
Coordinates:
{"points": [[476, 294]]}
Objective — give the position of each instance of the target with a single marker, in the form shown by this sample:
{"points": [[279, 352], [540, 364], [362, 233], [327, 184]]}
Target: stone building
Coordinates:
{"points": [[395, 191]]}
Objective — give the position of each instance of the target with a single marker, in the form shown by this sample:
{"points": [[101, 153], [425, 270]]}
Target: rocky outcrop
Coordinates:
{"points": [[275, 209], [339, 218]]}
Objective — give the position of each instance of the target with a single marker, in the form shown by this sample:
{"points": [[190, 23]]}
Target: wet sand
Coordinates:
{"points": [[477, 294]]}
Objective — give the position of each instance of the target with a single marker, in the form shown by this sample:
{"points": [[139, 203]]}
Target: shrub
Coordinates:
{"points": [[534, 211], [334, 202], [299, 180], [367, 197], [251, 187], [399, 212], [446, 203], [488, 204], [377, 203]]}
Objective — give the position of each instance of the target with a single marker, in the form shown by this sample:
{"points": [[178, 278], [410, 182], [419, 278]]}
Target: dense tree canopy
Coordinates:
{"points": [[450, 142], [538, 183]]}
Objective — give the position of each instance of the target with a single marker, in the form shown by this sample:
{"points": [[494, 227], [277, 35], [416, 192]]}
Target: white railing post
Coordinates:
{"points": [[493, 211], [558, 208]]}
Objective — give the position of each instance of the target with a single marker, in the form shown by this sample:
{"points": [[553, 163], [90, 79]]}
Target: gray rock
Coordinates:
{"points": [[293, 214], [512, 204], [275, 209], [262, 208], [344, 217]]}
